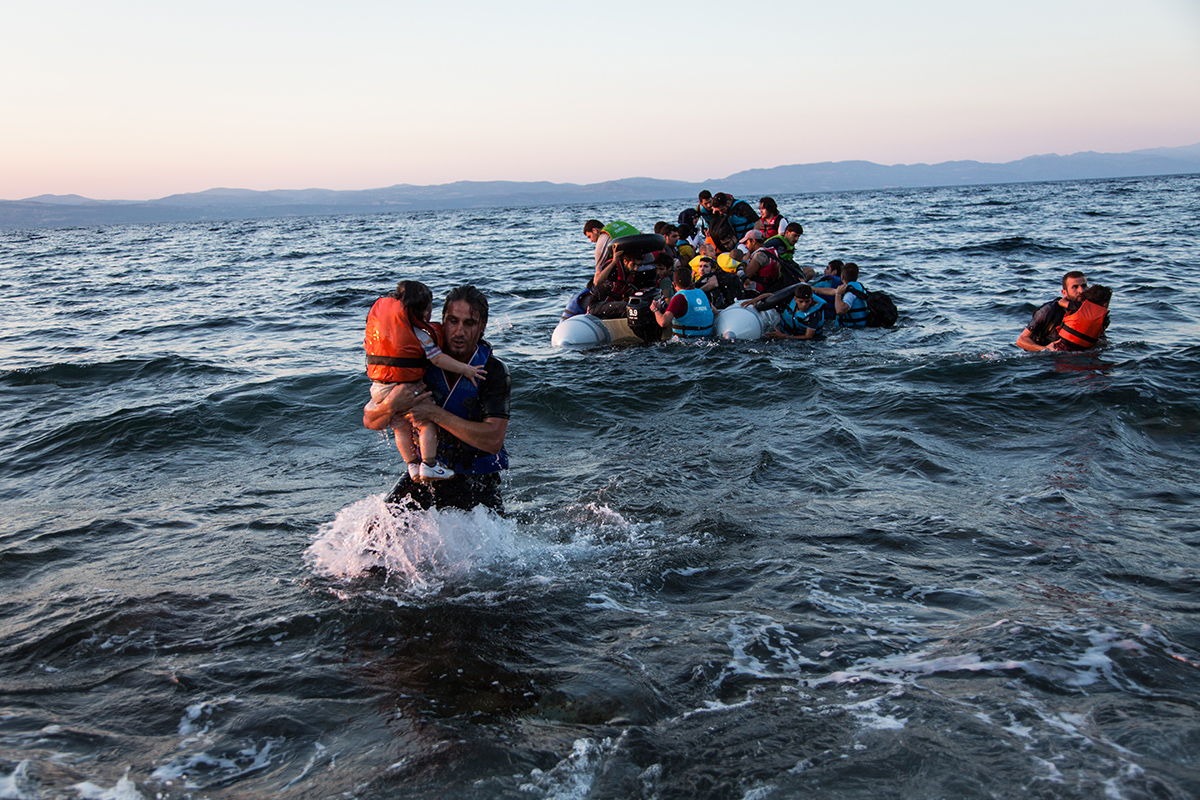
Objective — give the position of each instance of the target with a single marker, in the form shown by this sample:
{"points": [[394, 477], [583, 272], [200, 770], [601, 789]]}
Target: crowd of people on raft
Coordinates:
{"points": [[717, 254], [723, 252]]}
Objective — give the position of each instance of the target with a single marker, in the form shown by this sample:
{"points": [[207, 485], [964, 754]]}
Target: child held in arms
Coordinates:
{"points": [[400, 344], [1083, 327]]}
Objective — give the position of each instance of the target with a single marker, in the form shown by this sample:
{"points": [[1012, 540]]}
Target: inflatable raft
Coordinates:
{"points": [[734, 324]]}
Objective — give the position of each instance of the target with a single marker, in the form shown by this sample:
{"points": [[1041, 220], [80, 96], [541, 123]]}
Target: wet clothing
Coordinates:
{"points": [[477, 473], [693, 313], [795, 322], [1044, 325], [726, 290], [1082, 328], [828, 282], [1043, 328], [856, 317]]}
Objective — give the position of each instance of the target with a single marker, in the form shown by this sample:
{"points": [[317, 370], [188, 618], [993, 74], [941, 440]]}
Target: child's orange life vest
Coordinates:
{"points": [[394, 354], [1083, 328]]}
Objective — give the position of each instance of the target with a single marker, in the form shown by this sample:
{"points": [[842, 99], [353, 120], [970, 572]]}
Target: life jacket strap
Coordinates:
{"points": [[1083, 337], [392, 361]]}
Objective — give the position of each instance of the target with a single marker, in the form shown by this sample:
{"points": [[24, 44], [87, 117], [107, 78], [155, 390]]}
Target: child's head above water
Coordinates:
{"points": [[416, 298], [1098, 294]]}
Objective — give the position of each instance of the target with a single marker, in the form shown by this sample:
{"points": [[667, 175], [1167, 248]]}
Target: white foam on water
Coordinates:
{"points": [[870, 714], [18, 785], [763, 648], [251, 758], [572, 777], [713, 706], [420, 550], [124, 789], [894, 669], [423, 551]]}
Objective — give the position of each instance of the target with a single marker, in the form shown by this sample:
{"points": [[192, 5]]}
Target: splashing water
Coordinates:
{"points": [[419, 550]]}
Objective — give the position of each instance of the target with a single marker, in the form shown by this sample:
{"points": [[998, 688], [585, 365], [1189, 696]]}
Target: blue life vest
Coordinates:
{"points": [[698, 321], [856, 317], [462, 400], [579, 304], [742, 217], [828, 282], [795, 322]]}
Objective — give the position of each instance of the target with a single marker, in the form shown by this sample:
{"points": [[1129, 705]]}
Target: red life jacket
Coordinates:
{"points": [[767, 275], [770, 226], [619, 285], [394, 354], [1083, 328]]}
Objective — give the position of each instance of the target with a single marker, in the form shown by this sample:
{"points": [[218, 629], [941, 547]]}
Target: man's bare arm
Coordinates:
{"points": [[487, 435]]}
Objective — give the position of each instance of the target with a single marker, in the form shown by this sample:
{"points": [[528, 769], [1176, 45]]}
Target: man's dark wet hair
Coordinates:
{"points": [[473, 297], [768, 203], [803, 292], [835, 266], [1074, 275], [415, 297], [721, 200], [794, 227], [706, 195], [682, 278], [1098, 294], [591, 225], [661, 228], [849, 272]]}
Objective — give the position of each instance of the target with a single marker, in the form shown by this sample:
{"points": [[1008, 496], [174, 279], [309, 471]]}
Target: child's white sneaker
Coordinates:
{"points": [[435, 473], [414, 470]]}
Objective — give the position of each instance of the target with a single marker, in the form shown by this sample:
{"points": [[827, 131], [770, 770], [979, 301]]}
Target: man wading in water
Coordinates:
{"points": [[1043, 328], [472, 419]]}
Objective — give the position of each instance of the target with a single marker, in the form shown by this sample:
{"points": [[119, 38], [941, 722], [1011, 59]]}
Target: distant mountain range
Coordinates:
{"points": [[215, 204]]}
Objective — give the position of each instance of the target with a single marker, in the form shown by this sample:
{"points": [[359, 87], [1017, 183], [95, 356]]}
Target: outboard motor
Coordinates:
{"points": [[641, 315]]}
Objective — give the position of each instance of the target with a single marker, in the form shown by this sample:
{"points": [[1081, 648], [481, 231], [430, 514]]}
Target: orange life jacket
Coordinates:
{"points": [[1084, 326], [394, 354]]}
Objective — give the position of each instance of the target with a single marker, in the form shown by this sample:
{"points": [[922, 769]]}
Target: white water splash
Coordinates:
{"points": [[18, 785], [124, 790], [418, 549]]}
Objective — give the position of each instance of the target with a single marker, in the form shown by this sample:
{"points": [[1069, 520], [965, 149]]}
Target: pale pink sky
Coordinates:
{"points": [[135, 100]]}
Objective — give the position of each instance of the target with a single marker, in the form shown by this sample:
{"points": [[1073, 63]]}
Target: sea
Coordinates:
{"points": [[894, 563]]}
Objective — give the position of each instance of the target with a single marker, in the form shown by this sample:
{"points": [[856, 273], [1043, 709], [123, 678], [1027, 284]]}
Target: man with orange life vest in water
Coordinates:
{"points": [[472, 419], [1043, 328]]}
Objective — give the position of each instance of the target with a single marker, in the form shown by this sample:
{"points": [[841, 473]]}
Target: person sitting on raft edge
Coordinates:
{"points": [[472, 419]]}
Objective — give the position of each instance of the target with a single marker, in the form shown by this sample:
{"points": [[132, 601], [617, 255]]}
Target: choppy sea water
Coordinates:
{"points": [[905, 563]]}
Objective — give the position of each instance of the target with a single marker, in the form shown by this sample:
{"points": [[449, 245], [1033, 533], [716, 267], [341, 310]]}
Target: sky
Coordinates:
{"points": [[124, 99]]}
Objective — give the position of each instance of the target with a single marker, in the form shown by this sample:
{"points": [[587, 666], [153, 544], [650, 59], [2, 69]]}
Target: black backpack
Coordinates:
{"points": [[881, 311]]}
